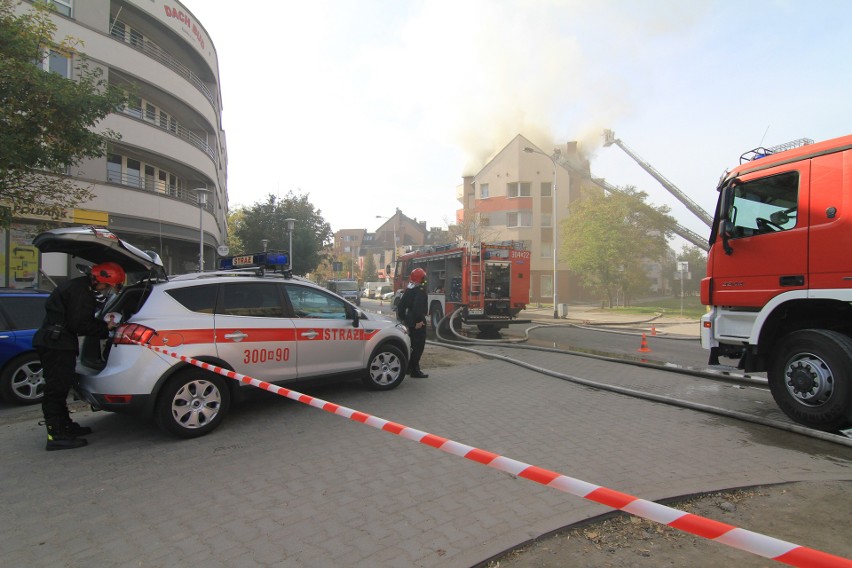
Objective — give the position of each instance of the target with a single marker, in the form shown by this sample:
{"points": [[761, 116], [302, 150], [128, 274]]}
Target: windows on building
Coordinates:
{"points": [[57, 62], [519, 219], [546, 220], [546, 285], [483, 191], [546, 250], [63, 6], [518, 189], [546, 189], [129, 171]]}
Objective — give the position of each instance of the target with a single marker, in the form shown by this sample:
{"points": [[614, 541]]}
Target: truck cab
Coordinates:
{"points": [[779, 277]]}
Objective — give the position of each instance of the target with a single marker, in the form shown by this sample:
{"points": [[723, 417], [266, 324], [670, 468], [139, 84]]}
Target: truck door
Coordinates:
{"points": [[768, 211]]}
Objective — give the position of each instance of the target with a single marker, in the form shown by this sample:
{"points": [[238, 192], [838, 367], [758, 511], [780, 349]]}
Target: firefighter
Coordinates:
{"points": [[70, 312], [412, 311]]}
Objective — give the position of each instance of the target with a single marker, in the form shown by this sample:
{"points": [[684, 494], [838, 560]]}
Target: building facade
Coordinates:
{"points": [[512, 199], [399, 230], [162, 186]]}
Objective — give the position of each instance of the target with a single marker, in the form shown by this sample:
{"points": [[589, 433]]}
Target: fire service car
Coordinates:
{"points": [[253, 319]]}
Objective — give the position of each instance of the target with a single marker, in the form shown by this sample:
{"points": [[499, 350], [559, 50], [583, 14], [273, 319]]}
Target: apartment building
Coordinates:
{"points": [[162, 186], [512, 198]]}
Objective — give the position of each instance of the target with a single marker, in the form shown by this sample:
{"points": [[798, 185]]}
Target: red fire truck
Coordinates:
{"points": [[489, 281], [779, 276]]}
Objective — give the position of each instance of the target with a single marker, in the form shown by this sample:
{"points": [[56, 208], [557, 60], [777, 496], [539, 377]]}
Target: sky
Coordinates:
{"points": [[366, 106]]}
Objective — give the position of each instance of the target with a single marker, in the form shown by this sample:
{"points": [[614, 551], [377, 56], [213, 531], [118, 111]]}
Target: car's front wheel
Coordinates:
{"points": [[193, 403], [386, 368], [22, 381]]}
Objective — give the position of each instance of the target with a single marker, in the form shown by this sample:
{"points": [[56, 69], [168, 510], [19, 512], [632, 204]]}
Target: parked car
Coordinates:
{"points": [[259, 323], [21, 314]]}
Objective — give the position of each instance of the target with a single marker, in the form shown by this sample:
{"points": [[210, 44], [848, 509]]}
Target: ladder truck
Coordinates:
{"points": [[489, 282]]}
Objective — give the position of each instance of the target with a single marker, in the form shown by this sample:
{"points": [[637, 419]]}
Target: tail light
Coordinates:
{"points": [[131, 333]]}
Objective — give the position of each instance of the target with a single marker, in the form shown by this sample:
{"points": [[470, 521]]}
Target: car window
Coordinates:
{"points": [[22, 312], [255, 299], [310, 303], [196, 298]]}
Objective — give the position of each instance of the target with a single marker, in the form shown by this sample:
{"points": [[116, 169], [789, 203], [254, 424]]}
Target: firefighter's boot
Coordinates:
{"points": [[59, 437], [75, 429]]}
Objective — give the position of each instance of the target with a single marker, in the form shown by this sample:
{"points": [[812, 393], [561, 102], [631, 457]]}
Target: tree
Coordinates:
{"points": [[46, 120], [266, 220], [473, 228], [608, 237], [370, 273]]}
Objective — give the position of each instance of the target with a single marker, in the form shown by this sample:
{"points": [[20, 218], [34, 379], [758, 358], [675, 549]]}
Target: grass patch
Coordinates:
{"points": [[692, 307]]}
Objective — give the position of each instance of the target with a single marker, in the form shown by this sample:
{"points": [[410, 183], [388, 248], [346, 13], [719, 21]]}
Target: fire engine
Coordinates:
{"points": [[779, 276], [490, 282]]}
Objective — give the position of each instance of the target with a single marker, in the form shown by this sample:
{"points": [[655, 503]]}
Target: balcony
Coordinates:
{"points": [[128, 36], [173, 127]]}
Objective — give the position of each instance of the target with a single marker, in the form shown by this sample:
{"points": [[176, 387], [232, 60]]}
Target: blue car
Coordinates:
{"points": [[21, 314]]}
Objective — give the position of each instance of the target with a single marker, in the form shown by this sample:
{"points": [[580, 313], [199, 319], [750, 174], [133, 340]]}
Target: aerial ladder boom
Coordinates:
{"points": [[610, 139], [678, 229]]}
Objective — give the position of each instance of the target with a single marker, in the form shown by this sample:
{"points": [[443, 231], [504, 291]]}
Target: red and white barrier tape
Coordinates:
{"points": [[768, 547]]}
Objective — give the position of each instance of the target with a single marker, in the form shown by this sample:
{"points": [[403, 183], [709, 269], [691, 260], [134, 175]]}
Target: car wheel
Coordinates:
{"points": [[193, 403], [22, 381], [386, 368], [810, 377]]}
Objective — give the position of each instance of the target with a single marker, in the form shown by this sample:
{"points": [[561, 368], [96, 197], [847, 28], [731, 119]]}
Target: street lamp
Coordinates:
{"points": [[290, 224], [264, 243], [555, 224], [201, 195], [393, 257]]}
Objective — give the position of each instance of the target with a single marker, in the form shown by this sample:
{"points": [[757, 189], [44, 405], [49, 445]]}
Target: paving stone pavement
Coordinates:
{"points": [[281, 484]]}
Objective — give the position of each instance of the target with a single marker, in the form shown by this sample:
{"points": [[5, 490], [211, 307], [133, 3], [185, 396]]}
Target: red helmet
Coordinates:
{"points": [[108, 273], [418, 275]]}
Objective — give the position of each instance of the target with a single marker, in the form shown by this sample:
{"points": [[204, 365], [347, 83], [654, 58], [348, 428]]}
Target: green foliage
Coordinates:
{"points": [[266, 220], [607, 239], [670, 306], [46, 120], [370, 274]]}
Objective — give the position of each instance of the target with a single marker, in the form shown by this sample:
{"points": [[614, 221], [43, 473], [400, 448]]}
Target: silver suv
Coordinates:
{"points": [[254, 321]]}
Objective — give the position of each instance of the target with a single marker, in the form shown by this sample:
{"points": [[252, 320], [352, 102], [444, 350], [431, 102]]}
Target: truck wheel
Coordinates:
{"points": [[810, 377], [386, 368], [436, 313], [193, 403]]}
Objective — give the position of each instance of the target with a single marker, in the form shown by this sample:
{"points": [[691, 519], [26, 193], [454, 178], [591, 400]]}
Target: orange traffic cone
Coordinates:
{"points": [[643, 347], [653, 330]]}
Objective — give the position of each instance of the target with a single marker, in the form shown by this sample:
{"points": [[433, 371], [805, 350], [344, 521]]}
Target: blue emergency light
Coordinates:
{"points": [[272, 260]]}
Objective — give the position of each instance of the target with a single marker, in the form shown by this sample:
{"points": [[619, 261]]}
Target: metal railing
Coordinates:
{"points": [[156, 52], [138, 181], [175, 128]]}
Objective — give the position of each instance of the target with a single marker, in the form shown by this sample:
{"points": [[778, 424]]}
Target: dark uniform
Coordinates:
{"points": [[411, 310], [70, 313]]}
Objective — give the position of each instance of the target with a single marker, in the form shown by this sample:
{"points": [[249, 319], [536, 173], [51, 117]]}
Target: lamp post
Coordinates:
{"points": [[264, 243], [393, 257], [201, 194], [291, 223], [555, 224]]}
